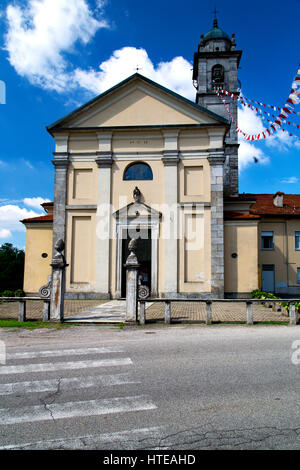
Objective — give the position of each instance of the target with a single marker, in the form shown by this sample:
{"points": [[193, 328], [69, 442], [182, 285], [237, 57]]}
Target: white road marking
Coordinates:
{"points": [[65, 384], [63, 352], [30, 414], [55, 366], [89, 441]]}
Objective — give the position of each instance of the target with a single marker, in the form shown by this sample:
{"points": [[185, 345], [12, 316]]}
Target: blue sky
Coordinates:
{"points": [[57, 54]]}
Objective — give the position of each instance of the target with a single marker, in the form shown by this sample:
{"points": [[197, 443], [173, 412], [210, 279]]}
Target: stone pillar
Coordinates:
{"points": [[60, 163], [104, 162], [132, 270], [46, 310], [167, 312], [292, 313], [22, 310], [208, 312], [142, 312], [216, 160], [249, 309], [58, 283], [170, 217]]}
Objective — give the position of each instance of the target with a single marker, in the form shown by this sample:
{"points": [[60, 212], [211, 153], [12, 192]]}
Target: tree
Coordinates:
{"points": [[11, 267]]}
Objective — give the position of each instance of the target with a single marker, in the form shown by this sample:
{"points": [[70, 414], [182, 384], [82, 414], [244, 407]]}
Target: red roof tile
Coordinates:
{"points": [[233, 215], [264, 204], [41, 218]]}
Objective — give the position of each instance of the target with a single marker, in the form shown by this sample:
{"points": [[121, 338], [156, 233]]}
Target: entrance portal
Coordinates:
{"points": [[143, 253]]}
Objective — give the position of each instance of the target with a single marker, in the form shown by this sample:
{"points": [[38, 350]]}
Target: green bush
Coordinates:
{"points": [[7, 293], [19, 293], [11, 267], [257, 294]]}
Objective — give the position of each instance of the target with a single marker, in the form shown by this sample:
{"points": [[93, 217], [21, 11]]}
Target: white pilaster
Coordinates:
{"points": [[170, 161], [103, 215]]}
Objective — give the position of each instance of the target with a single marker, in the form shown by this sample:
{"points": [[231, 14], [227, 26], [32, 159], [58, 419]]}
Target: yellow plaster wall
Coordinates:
{"points": [[195, 260], [199, 183], [276, 256], [80, 250], [241, 273], [284, 256], [37, 269], [85, 174], [87, 143], [129, 110]]}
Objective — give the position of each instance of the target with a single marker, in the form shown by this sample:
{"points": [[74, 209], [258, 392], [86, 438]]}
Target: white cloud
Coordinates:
{"points": [[28, 164], [253, 123], [249, 153], [41, 32], [35, 202], [10, 216], [250, 123], [175, 74], [291, 180], [4, 233], [282, 141]]}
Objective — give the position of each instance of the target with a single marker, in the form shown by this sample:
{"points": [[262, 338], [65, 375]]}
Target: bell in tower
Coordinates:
{"points": [[215, 65]]}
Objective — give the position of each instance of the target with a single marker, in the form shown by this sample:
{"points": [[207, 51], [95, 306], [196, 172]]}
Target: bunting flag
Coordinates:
{"points": [[262, 135], [285, 111], [264, 113], [275, 108]]}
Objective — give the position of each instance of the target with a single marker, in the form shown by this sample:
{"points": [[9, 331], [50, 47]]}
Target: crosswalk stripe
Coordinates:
{"points": [[62, 352], [84, 442], [69, 410], [55, 366], [65, 384]]}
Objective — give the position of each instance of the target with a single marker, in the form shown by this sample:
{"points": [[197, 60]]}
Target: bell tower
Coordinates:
{"points": [[215, 64]]}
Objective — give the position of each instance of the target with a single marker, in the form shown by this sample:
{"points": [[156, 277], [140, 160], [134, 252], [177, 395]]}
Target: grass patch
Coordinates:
{"points": [[31, 325]]}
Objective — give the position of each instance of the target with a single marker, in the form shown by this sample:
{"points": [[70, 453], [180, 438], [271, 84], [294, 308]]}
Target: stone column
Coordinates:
{"points": [[132, 269], [60, 163], [170, 217], [104, 162], [216, 160]]}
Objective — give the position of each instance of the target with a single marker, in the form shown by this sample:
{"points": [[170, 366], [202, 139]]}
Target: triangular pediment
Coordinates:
{"points": [[138, 211], [138, 102]]}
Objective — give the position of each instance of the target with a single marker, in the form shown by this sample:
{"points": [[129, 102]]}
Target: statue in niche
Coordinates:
{"points": [[137, 194]]}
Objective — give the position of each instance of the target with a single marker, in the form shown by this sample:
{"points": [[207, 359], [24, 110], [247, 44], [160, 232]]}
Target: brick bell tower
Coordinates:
{"points": [[216, 62]]}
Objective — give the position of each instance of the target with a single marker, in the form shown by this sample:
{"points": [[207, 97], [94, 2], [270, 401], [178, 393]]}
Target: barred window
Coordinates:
{"points": [[267, 240], [297, 240]]}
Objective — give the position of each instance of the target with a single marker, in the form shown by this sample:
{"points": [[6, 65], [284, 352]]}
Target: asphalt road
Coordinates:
{"points": [[154, 387]]}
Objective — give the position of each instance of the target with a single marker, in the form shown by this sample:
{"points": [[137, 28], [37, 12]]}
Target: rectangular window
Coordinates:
{"points": [[298, 275], [297, 240], [267, 240]]}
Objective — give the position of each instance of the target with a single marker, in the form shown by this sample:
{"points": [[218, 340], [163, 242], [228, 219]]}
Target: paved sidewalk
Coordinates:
{"points": [[94, 311], [109, 312]]}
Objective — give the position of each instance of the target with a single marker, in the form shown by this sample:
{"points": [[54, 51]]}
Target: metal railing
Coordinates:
{"points": [[293, 314], [22, 306]]}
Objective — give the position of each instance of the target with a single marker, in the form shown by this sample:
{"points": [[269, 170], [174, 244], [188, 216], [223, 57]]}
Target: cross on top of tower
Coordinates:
{"points": [[215, 23]]}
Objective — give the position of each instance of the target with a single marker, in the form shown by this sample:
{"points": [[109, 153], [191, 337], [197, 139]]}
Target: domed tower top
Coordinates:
{"points": [[216, 40]]}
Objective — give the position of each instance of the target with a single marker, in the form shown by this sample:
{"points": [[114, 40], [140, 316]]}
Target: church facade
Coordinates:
{"points": [[140, 161]]}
